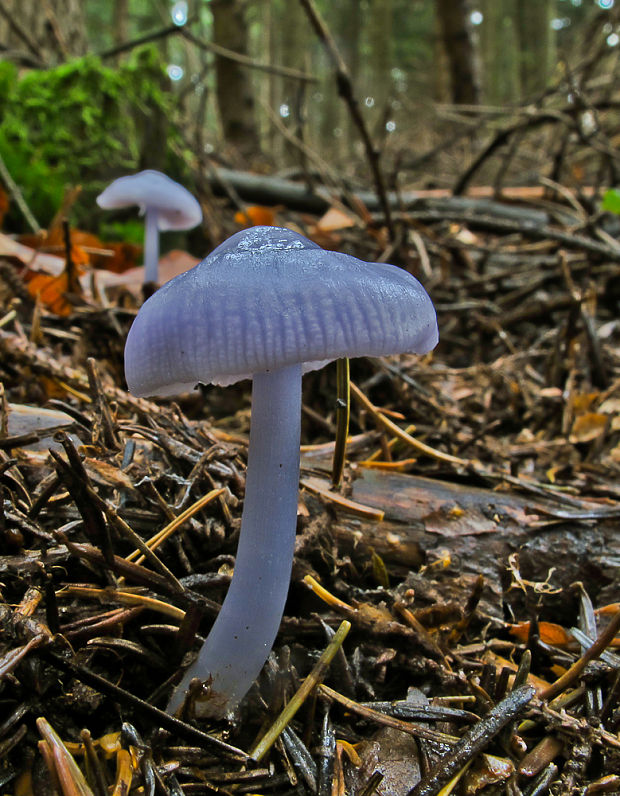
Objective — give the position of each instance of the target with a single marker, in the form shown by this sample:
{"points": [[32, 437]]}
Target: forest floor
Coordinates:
{"points": [[480, 574]]}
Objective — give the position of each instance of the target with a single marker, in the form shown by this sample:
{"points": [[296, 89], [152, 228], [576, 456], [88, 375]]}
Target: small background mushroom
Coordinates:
{"points": [[166, 205]]}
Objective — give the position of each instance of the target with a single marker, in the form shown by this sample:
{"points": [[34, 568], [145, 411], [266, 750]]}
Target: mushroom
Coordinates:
{"points": [[267, 304], [165, 204]]}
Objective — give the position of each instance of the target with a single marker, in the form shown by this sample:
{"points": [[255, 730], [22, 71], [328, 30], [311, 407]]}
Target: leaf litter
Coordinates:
{"points": [[473, 548]]}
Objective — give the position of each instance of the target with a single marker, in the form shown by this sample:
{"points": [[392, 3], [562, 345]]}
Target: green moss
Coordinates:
{"points": [[82, 123]]}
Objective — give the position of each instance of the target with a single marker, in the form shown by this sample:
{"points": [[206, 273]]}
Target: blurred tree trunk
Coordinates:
{"points": [[500, 51], [347, 22], [121, 20], [458, 38], [440, 73], [52, 31], [537, 44], [272, 96], [349, 27], [380, 43], [295, 36], [233, 84]]}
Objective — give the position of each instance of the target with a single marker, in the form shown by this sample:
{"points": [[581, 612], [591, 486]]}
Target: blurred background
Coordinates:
{"points": [[90, 90]]}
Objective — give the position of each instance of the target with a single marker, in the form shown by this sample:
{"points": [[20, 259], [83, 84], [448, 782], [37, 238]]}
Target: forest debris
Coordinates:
{"points": [[398, 432], [16, 348], [62, 767], [569, 677], [123, 597], [473, 741], [487, 770], [512, 392], [549, 633], [376, 619], [155, 541], [413, 498], [391, 753], [11, 659], [415, 730], [160, 717], [269, 190], [325, 490], [256, 215], [502, 663], [124, 773], [313, 679], [540, 756]]}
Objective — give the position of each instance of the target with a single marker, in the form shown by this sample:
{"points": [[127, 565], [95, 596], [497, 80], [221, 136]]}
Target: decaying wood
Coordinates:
{"points": [[270, 190], [474, 531]]}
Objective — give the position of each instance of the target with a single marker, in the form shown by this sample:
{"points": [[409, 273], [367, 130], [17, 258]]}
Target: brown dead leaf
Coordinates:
{"points": [[610, 407], [326, 240], [395, 754], [588, 426], [503, 663], [172, 264], [335, 219], [23, 255], [106, 474]]}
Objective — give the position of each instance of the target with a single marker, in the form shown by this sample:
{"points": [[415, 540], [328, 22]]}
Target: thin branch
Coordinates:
{"points": [[125, 46], [474, 741], [245, 60], [18, 197]]}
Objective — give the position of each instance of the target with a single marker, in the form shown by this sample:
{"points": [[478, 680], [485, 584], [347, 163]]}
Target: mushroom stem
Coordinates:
{"points": [[151, 246], [245, 629]]}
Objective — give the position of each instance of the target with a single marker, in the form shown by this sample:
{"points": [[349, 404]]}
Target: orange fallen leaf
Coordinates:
{"points": [[118, 258], [503, 663], [124, 773], [52, 291], [608, 610], [256, 215], [581, 402], [550, 633]]}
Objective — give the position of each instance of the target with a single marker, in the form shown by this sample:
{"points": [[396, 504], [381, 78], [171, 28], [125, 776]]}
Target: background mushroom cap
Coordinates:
{"points": [[267, 298], [175, 205]]}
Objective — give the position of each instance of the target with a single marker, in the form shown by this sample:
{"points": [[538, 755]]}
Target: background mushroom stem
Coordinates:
{"points": [[245, 629], [151, 246]]}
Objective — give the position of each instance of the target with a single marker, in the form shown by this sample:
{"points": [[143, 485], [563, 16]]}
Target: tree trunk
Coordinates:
{"points": [[121, 21], [380, 41], [458, 37], [295, 35], [233, 84], [537, 44], [500, 52]]}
